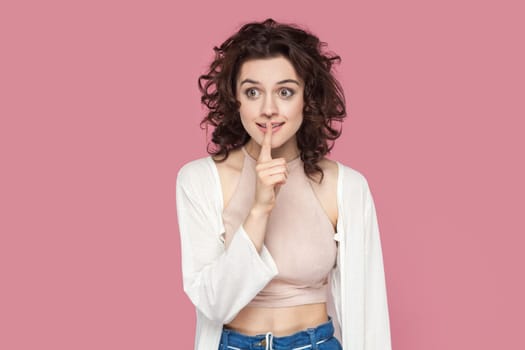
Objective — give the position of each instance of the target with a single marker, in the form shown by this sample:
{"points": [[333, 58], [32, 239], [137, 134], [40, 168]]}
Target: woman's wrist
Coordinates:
{"points": [[260, 212], [255, 225]]}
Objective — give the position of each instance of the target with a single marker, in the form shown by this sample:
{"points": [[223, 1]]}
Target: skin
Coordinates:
{"points": [[265, 98]]}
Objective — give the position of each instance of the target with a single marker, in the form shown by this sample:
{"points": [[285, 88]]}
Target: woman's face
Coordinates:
{"points": [[269, 89]]}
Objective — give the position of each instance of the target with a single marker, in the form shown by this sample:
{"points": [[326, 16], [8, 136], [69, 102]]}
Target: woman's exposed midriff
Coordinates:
{"points": [[280, 321]]}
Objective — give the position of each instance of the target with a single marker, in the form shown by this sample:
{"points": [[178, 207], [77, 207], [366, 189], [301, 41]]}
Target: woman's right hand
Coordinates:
{"points": [[271, 174]]}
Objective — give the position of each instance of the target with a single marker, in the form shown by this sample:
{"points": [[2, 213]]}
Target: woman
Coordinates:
{"points": [[280, 245]]}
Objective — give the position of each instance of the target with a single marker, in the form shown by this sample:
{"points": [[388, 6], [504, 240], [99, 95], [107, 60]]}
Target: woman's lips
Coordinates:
{"points": [[275, 127]]}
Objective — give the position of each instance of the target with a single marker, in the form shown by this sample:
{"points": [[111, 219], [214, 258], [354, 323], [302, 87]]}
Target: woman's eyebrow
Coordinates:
{"points": [[279, 82]]}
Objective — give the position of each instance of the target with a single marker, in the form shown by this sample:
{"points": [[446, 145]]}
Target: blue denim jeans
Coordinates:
{"points": [[318, 338]]}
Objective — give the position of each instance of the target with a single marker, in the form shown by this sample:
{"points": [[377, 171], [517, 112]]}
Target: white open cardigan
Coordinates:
{"points": [[221, 282]]}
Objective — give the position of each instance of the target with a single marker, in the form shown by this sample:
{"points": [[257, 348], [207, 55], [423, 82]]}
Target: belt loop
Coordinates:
{"points": [[225, 334], [313, 338]]}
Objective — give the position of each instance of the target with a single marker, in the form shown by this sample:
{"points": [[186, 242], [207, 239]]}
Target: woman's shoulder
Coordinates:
{"points": [[345, 173], [208, 167], [232, 163], [196, 169], [328, 165]]}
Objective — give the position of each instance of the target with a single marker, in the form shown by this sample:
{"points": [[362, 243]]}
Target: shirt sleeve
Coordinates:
{"points": [[218, 281], [377, 325]]}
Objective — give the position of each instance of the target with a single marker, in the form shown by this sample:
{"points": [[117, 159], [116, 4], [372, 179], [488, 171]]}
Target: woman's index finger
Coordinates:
{"points": [[266, 149]]}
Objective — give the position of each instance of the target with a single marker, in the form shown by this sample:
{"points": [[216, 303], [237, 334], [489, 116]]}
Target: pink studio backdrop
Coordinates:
{"points": [[99, 109]]}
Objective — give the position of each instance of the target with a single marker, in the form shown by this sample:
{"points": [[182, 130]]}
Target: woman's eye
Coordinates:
{"points": [[251, 92], [287, 92]]}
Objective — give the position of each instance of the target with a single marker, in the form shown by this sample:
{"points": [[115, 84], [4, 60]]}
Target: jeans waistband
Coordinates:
{"points": [[308, 339]]}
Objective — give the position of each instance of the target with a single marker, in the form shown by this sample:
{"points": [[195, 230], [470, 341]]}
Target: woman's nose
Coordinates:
{"points": [[269, 106]]}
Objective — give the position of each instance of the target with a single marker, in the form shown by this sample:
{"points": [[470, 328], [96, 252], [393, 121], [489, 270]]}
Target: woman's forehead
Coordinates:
{"points": [[267, 70]]}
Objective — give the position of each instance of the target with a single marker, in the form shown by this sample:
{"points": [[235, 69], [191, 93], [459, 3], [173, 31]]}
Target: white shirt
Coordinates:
{"points": [[221, 282]]}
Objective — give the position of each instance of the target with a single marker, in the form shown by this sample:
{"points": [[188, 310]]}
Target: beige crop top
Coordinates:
{"points": [[299, 236]]}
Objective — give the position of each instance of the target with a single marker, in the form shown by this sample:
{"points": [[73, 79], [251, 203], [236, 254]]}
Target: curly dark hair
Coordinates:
{"points": [[324, 100]]}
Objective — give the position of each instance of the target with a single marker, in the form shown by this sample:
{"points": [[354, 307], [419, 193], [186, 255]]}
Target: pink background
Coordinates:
{"points": [[99, 109]]}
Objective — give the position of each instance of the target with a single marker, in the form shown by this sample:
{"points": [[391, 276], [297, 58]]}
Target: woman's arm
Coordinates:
{"points": [[219, 282]]}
